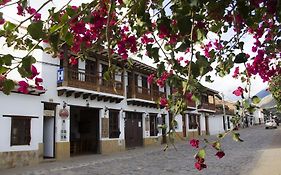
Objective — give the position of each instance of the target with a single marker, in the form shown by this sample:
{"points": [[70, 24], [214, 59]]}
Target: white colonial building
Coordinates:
{"points": [[81, 113]]}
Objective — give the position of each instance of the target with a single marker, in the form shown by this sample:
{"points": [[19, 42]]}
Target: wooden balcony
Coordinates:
{"points": [[227, 111], [80, 79], [208, 106], [191, 104], [144, 93]]}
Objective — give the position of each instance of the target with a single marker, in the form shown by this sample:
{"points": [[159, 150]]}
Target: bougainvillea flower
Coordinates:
{"points": [[23, 87], [38, 82], [34, 72], [220, 154], [163, 101], [150, 79], [238, 91], [194, 143], [199, 166]]}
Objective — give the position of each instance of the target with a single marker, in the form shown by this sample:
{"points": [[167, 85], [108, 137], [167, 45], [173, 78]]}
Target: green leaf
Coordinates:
{"points": [[256, 99], [70, 11], [236, 137], [69, 38], [217, 145], [8, 86], [201, 153], [54, 28], [35, 30], [106, 76], [3, 69], [7, 59], [8, 26], [240, 58]]}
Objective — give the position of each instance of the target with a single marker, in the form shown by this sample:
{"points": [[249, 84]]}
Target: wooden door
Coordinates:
{"points": [[199, 127], [133, 130], [207, 125], [164, 137], [184, 126], [91, 71]]}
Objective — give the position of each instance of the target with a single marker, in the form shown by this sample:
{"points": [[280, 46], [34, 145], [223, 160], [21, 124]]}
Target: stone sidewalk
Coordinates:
{"points": [[270, 159]]}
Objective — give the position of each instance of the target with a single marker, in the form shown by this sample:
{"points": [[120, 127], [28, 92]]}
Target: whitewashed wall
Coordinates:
{"points": [[216, 124], [22, 105]]}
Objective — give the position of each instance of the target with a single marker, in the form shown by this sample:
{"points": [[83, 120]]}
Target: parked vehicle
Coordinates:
{"points": [[270, 124]]}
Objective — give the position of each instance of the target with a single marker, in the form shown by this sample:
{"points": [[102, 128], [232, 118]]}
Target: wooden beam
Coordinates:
{"points": [[85, 96], [61, 92], [111, 100], [69, 93], [78, 94], [100, 98], [105, 99], [93, 97]]}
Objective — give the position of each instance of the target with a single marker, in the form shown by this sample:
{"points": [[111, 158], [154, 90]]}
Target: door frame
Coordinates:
{"points": [[207, 125], [54, 138], [125, 133]]}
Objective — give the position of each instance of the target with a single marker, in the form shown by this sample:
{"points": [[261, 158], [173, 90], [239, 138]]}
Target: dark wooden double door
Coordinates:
{"points": [[133, 129]]}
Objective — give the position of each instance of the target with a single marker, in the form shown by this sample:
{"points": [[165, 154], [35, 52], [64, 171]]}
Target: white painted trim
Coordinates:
{"points": [[137, 99], [89, 91]]}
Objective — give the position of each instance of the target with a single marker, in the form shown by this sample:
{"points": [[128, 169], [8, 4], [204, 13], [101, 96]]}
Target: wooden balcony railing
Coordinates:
{"points": [[227, 111], [191, 104], [144, 93], [208, 106], [80, 79]]}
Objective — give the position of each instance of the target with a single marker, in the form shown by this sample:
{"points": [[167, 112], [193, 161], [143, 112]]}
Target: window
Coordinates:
{"points": [[114, 131], [153, 125], [192, 121], [20, 131], [205, 98]]}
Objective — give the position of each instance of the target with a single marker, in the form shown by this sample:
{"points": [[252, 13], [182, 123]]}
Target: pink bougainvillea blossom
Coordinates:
{"points": [[23, 87], [220, 154], [238, 92], [34, 72], [194, 143], [163, 101], [150, 79], [236, 72], [38, 82]]}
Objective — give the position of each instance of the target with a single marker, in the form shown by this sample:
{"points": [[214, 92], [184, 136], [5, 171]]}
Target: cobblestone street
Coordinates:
{"points": [[240, 159]]}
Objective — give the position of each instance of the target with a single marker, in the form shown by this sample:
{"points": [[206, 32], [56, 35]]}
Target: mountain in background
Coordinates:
{"points": [[262, 93]]}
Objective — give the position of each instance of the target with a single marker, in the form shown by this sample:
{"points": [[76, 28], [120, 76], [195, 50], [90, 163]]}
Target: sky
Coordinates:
{"points": [[225, 85]]}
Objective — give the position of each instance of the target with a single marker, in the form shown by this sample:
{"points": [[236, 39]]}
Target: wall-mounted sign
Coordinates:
{"points": [[60, 75], [63, 133], [63, 113], [49, 113]]}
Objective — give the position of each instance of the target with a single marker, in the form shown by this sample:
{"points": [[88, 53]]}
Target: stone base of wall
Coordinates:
{"points": [[18, 159], [40, 152], [111, 146], [192, 134], [62, 150], [203, 133], [152, 141]]}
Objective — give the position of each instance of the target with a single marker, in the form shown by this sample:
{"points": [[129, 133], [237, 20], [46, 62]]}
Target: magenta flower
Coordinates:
{"points": [[150, 79], [238, 92], [163, 101], [38, 82], [194, 143], [236, 72], [34, 72], [220, 154], [23, 87]]}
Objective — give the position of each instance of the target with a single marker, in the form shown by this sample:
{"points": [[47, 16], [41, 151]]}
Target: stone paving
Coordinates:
{"points": [[240, 159]]}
